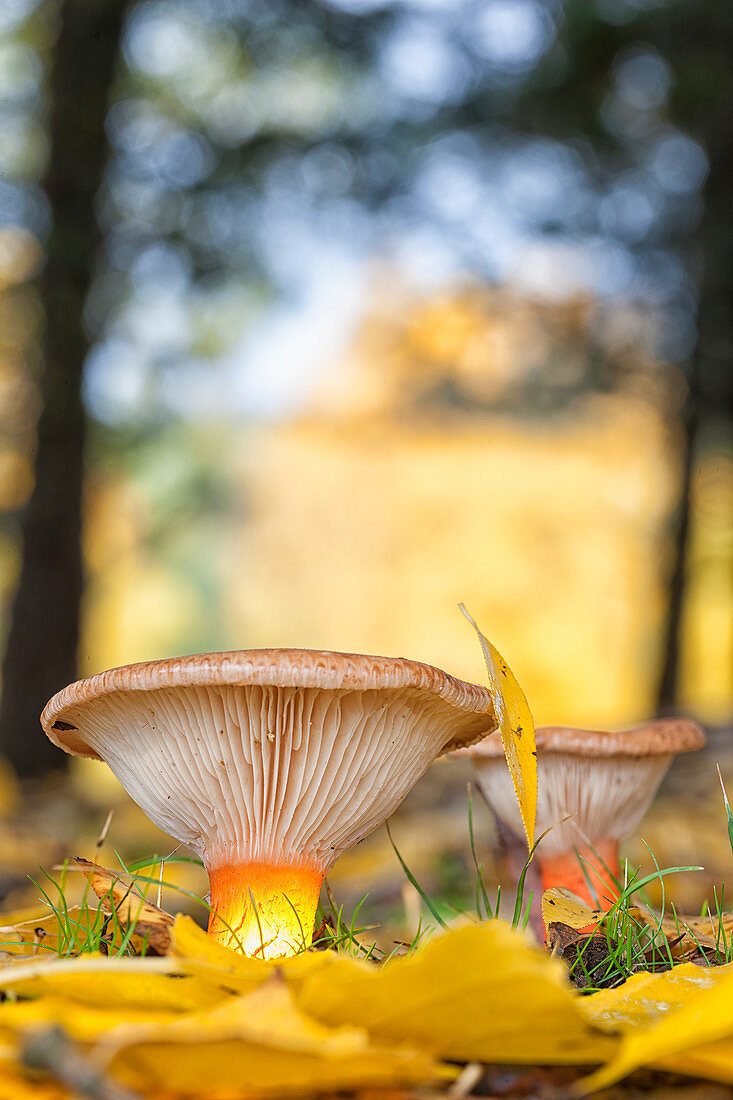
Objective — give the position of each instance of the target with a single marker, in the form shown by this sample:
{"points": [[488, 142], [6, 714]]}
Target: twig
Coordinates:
{"points": [[105, 829], [466, 1081], [51, 1051]]}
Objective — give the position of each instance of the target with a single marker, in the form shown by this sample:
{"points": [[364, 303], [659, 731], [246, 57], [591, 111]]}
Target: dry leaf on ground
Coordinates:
{"points": [[480, 993], [688, 938], [681, 1021], [561, 906], [258, 1042], [35, 931], [121, 983], [152, 925]]}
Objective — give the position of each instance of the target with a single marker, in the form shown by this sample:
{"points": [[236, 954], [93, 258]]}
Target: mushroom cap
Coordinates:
{"points": [[296, 668], [663, 737], [592, 785], [272, 754]]}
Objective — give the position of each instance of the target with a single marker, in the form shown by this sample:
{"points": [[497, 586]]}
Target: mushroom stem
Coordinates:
{"points": [[264, 909], [569, 870]]}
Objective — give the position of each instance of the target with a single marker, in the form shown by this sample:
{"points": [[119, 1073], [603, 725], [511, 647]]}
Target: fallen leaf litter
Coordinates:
{"points": [[188, 1017]]}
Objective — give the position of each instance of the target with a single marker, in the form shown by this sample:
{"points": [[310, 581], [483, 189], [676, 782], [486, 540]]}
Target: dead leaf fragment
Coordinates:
{"points": [[560, 906], [152, 925]]}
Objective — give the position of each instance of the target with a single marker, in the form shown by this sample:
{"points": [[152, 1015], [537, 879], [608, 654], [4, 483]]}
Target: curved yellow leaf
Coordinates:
{"points": [[84, 1023], [480, 993], [258, 1042], [695, 1037], [644, 998], [516, 726], [126, 983]]}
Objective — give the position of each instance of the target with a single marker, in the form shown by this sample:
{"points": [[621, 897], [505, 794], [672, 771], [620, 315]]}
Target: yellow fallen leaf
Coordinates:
{"points": [[40, 932], [35, 934], [84, 1023], [516, 726], [686, 1039], [711, 1060], [259, 1042], [563, 907], [20, 916], [480, 993], [125, 983], [192, 943], [646, 997]]}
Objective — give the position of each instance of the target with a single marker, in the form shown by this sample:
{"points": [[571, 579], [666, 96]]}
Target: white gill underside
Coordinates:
{"points": [[265, 773], [606, 797]]}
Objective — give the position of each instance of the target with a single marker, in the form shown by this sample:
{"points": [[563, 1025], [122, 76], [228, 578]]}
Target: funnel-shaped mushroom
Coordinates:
{"points": [[601, 782], [268, 764]]}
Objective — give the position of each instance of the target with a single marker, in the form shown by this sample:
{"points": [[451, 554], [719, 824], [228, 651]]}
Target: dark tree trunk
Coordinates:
{"points": [[676, 587], [711, 372], [42, 644]]}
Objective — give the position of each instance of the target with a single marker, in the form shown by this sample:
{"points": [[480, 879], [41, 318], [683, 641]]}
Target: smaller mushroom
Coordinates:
{"points": [[594, 789]]}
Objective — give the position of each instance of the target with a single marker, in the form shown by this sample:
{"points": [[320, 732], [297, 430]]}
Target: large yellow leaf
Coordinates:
{"points": [[646, 997], [681, 1020], [85, 1023], [259, 1042], [516, 726], [480, 993], [124, 983]]}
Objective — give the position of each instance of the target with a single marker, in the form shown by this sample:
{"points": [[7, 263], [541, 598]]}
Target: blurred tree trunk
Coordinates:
{"points": [[41, 655], [711, 371]]}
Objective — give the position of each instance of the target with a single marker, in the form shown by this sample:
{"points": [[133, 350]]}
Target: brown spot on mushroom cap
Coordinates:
{"points": [[663, 737], [294, 668]]}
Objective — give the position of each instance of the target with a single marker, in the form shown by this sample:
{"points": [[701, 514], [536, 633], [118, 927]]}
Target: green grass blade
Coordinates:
{"points": [[481, 894], [728, 813], [414, 882]]}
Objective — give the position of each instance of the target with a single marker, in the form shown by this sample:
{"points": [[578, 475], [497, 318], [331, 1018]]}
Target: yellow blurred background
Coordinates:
{"points": [[360, 522]]}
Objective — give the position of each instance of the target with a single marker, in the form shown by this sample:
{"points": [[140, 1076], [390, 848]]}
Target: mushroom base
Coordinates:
{"points": [[569, 871], [264, 909]]}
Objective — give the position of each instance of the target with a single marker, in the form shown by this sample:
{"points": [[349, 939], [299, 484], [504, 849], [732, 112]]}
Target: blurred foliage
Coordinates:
{"points": [[523, 184]]}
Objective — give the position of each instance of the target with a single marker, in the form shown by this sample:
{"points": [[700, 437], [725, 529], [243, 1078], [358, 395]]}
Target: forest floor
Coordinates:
{"points": [[45, 823]]}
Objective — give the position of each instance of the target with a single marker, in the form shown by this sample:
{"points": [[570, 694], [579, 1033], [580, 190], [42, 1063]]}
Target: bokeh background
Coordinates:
{"points": [[318, 317]]}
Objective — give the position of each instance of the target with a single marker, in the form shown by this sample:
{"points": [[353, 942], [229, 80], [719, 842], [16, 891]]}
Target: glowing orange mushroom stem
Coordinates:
{"points": [[601, 866], [264, 909]]}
